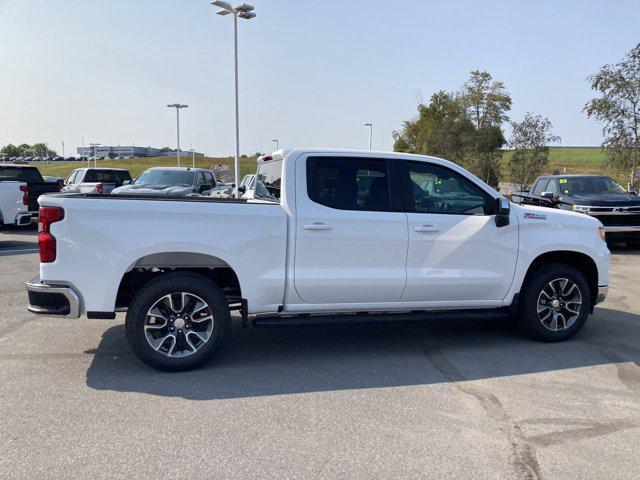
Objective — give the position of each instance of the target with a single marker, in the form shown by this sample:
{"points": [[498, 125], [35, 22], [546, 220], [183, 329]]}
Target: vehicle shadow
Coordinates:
{"points": [[262, 362]]}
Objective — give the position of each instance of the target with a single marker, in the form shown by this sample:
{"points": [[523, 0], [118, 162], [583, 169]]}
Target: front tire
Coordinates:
{"points": [[177, 321], [555, 303]]}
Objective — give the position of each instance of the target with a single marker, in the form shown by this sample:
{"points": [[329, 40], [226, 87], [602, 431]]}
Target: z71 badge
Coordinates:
{"points": [[535, 216]]}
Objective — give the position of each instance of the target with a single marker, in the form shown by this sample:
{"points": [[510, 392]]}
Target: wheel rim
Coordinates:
{"points": [[179, 324], [559, 304]]}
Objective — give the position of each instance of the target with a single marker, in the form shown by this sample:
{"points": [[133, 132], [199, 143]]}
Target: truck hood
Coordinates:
{"points": [[614, 200], [170, 190], [528, 214]]}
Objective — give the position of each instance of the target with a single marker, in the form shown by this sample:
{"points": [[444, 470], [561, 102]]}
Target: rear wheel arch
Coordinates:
{"points": [[150, 267], [578, 260]]}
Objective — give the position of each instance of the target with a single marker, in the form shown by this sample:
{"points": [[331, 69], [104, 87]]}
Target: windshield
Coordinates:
{"points": [[165, 178], [589, 186]]}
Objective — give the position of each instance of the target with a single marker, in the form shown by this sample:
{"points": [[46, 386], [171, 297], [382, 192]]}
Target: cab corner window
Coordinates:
{"points": [[349, 183], [435, 189], [269, 178]]}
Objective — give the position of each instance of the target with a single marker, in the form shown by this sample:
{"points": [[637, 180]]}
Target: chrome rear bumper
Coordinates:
{"points": [[52, 299]]}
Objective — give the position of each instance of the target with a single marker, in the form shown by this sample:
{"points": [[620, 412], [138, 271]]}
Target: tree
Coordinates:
{"points": [[530, 141], [10, 150], [618, 108], [465, 128], [40, 149], [486, 103], [441, 129]]}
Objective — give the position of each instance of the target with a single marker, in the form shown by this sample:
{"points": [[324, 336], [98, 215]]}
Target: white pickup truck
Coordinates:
{"points": [[330, 236], [14, 204]]}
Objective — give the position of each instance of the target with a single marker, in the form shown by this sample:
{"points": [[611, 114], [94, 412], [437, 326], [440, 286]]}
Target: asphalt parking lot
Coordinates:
{"points": [[432, 400]]}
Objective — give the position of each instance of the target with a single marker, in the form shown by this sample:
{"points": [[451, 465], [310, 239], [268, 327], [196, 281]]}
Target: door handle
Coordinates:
{"points": [[317, 227], [426, 228]]}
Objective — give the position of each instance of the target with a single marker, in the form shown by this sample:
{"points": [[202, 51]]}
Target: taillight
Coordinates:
{"points": [[46, 241], [25, 194], [100, 188]]}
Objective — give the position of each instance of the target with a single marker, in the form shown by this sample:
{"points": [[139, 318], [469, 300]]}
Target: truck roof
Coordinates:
{"points": [[183, 169], [16, 165], [572, 175]]}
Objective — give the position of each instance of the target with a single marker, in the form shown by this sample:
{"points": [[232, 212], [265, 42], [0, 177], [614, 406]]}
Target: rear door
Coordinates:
{"points": [[456, 254], [351, 233]]}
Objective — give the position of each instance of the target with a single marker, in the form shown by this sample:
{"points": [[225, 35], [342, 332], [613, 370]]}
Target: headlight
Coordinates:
{"points": [[580, 209], [602, 233]]}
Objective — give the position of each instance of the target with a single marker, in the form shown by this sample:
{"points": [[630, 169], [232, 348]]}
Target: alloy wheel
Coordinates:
{"points": [[179, 324], [559, 304]]}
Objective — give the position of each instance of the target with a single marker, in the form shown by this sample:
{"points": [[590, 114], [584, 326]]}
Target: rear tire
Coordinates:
{"points": [[177, 321], [548, 309]]}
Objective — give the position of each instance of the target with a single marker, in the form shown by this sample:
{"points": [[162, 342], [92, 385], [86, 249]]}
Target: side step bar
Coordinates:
{"points": [[280, 321]]}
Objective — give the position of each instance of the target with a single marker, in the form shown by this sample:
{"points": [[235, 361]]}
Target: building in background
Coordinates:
{"points": [[104, 151]]}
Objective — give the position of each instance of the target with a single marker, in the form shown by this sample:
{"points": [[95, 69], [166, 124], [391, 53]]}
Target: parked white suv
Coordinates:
{"points": [[328, 233]]}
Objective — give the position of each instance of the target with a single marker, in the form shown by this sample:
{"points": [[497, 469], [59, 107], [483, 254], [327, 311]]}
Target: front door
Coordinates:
{"points": [[456, 252], [351, 235]]}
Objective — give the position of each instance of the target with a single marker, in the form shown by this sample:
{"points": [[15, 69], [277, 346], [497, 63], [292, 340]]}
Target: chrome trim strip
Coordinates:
{"points": [[36, 285], [602, 294], [621, 228]]}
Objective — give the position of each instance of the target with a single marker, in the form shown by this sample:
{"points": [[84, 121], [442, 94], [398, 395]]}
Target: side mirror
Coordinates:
{"points": [[242, 190], [503, 209], [204, 188], [126, 182], [633, 192], [548, 195]]}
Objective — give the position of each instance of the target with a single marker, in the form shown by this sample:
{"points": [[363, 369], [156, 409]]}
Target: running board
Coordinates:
{"points": [[374, 318]]}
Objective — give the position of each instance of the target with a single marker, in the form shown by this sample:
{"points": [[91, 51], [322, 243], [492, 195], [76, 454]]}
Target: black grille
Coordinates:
{"points": [[620, 220]]}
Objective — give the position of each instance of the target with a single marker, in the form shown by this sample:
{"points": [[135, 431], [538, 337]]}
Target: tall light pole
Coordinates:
{"points": [[95, 153], [370, 125], [277, 143], [178, 107], [244, 10]]}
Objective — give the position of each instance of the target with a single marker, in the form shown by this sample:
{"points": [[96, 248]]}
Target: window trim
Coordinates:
{"points": [[409, 202], [393, 182]]}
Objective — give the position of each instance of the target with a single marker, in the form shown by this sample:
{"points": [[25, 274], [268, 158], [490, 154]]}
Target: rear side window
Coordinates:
{"points": [[349, 183], [269, 180]]}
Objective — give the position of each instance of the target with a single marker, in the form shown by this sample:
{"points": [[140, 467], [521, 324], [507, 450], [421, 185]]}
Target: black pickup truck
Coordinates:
{"points": [[595, 195], [36, 185]]}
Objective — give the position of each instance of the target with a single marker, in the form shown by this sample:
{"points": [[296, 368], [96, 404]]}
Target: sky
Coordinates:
{"points": [[311, 72]]}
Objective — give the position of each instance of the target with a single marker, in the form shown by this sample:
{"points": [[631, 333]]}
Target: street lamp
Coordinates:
{"points": [[178, 107], [95, 154], [244, 10], [277, 142], [370, 125]]}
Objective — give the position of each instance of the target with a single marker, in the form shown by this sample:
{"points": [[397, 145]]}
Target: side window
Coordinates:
{"points": [[208, 177], [435, 189], [72, 177], [553, 187], [349, 183], [199, 180], [541, 186]]}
